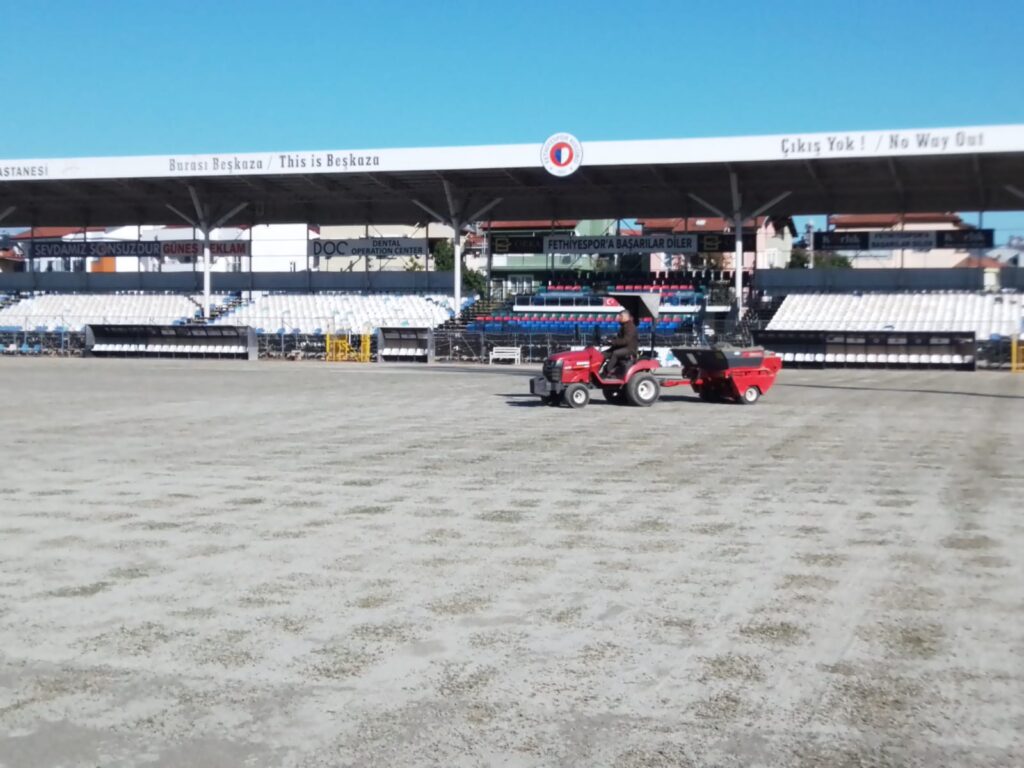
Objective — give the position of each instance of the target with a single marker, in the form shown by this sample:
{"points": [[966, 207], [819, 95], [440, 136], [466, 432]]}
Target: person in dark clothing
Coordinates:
{"points": [[625, 345]]}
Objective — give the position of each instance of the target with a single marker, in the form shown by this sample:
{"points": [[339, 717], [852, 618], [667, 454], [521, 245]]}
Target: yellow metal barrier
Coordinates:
{"points": [[1016, 355], [340, 349]]}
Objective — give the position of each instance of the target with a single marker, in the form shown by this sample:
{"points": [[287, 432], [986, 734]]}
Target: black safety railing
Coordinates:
{"points": [[470, 346]]}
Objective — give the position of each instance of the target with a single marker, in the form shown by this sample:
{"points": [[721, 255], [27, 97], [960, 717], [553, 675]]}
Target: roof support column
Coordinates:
{"points": [[457, 220], [30, 257], [203, 223], [455, 210], [737, 263], [738, 217], [737, 228], [457, 265], [1016, 192], [7, 212]]}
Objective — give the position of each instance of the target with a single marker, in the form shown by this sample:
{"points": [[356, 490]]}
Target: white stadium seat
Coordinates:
{"points": [[949, 311], [296, 313], [75, 311], [342, 312], [985, 314]]}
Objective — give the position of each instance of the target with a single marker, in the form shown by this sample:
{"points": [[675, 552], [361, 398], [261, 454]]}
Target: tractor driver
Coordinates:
{"points": [[624, 346]]}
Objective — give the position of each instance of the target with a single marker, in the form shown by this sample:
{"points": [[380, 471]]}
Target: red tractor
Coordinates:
{"points": [[715, 373], [568, 377]]}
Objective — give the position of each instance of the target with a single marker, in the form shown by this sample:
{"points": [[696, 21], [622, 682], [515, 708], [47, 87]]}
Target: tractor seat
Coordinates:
{"points": [[624, 366]]}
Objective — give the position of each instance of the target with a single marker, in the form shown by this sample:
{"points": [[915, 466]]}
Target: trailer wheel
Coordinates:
{"points": [[750, 395], [613, 395], [577, 395], [642, 390]]}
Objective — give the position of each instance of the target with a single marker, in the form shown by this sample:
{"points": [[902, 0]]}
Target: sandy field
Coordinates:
{"points": [[303, 564]]}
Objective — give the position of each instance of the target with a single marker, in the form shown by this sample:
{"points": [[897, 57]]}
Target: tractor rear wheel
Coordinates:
{"points": [[614, 395], [553, 400], [750, 395], [577, 395], [642, 390]]}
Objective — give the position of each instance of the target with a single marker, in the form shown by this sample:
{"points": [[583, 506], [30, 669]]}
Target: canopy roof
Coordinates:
{"points": [[907, 171], [642, 306]]}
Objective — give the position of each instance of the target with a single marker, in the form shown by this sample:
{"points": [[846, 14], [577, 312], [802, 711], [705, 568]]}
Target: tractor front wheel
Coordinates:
{"points": [[643, 390], [577, 395]]}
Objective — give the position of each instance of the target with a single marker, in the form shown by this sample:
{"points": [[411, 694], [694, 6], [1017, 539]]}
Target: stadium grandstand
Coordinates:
{"points": [[321, 313], [72, 312], [984, 314], [708, 224]]}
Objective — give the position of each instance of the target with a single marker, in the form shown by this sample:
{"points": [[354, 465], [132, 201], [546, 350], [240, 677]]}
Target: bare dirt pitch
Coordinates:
{"points": [[312, 565]]}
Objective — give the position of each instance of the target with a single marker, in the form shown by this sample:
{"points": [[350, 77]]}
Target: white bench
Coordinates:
{"points": [[515, 354]]}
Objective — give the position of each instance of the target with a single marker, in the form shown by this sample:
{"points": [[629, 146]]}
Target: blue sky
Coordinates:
{"points": [[105, 77]]}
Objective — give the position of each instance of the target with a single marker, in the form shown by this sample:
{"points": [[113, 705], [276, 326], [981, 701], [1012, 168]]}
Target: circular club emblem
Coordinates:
{"points": [[561, 154]]}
